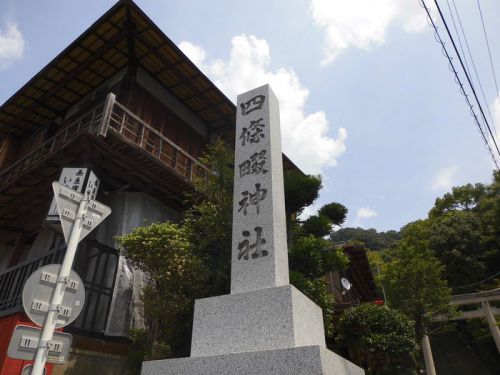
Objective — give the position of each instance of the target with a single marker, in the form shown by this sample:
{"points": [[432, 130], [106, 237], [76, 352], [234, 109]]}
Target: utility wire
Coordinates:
{"points": [[458, 35], [470, 55], [488, 45], [478, 282], [457, 79], [467, 76]]}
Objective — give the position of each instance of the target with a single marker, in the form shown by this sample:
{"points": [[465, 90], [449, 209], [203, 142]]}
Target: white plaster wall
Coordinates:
{"points": [[130, 210]]}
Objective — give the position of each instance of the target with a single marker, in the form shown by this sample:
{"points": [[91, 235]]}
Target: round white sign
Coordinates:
{"points": [[37, 296]]}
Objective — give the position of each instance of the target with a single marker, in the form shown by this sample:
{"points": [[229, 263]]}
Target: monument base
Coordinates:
{"points": [[305, 360], [265, 319]]}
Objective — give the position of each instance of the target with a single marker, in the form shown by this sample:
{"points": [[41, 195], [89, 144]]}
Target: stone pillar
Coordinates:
{"points": [[492, 323], [429, 360], [266, 325], [259, 248]]}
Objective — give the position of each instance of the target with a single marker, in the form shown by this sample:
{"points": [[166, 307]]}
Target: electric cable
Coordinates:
{"points": [[488, 47], [457, 79], [478, 282], [471, 58], [467, 76], [458, 35]]}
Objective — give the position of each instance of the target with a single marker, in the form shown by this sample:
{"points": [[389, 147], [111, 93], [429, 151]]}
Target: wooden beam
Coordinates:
{"points": [[80, 68], [176, 69]]}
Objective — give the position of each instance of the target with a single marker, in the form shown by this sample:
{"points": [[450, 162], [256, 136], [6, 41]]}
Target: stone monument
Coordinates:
{"points": [[265, 326]]}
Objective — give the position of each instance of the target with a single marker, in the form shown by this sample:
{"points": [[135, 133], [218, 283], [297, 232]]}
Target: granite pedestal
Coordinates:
{"points": [[306, 360], [274, 318]]}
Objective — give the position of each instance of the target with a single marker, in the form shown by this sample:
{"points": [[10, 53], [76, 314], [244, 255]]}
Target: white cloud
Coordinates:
{"points": [[11, 45], [443, 180], [196, 54], [309, 211], [365, 213], [363, 23], [306, 137]]}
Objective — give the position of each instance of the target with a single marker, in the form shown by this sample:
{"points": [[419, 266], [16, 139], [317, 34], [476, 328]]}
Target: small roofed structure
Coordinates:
{"points": [[360, 281]]}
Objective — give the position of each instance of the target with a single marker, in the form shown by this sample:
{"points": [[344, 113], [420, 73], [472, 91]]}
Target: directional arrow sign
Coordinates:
{"points": [[68, 202], [96, 213]]}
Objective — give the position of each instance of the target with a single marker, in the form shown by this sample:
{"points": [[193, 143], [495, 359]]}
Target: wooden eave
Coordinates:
{"points": [[122, 34], [117, 161]]}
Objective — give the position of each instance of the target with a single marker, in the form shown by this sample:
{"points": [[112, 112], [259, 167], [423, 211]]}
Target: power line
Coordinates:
{"points": [[478, 282], [457, 79], [467, 76], [458, 35], [470, 55], [488, 45]]}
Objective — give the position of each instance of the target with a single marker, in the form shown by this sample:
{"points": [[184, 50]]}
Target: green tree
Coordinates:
{"points": [[301, 190], [175, 276], [335, 212], [208, 220], [372, 239], [465, 197], [317, 225], [465, 232], [310, 255], [414, 284], [379, 338], [456, 238]]}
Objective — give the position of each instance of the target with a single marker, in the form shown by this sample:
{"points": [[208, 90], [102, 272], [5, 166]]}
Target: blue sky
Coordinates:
{"points": [[366, 96]]}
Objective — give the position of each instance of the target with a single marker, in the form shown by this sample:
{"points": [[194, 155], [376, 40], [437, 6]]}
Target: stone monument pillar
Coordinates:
{"points": [[265, 326], [259, 251]]}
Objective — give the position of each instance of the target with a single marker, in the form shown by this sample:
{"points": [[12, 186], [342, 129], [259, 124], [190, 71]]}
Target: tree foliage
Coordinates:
{"points": [[311, 256], [382, 336], [457, 245], [317, 225], [465, 198], [372, 239], [301, 190], [208, 221], [414, 284], [463, 232], [335, 212], [175, 276]]}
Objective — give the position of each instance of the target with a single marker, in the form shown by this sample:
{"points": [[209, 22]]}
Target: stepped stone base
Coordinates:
{"points": [[274, 318], [306, 360]]}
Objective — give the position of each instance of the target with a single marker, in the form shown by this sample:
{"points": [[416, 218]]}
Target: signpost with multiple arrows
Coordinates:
{"points": [[54, 295]]}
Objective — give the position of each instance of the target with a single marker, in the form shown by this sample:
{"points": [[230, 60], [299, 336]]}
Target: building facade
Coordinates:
{"points": [[123, 101]]}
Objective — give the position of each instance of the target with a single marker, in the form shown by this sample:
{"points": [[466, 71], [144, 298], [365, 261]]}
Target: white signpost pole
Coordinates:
{"points": [[57, 297], [79, 216]]}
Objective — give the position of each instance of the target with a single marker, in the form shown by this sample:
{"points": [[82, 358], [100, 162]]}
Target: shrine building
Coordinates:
{"points": [[124, 102]]}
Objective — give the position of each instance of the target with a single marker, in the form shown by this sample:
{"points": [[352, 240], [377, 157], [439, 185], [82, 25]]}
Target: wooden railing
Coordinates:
{"points": [[90, 122], [122, 121], [112, 116], [12, 280], [95, 263]]}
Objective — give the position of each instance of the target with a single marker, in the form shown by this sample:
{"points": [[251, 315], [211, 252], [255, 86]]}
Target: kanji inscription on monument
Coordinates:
{"points": [[259, 251]]}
